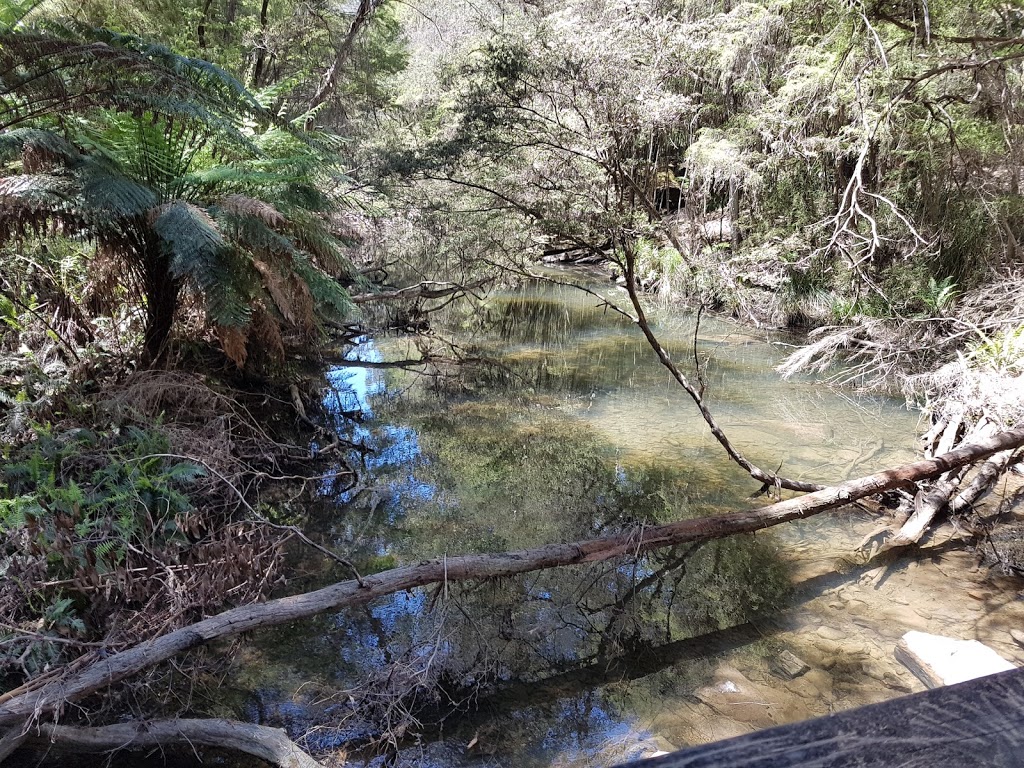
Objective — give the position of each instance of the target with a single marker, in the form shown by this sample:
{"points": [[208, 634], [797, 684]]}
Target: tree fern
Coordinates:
{"points": [[199, 253], [171, 165], [331, 299]]}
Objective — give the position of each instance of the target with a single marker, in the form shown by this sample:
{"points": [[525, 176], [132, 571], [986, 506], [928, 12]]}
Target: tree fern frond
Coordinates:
{"points": [[107, 193], [200, 254], [265, 334], [227, 288], [312, 235], [332, 301], [234, 178], [39, 148], [38, 205], [42, 190], [277, 286], [191, 234], [251, 234], [274, 93], [251, 206], [233, 340]]}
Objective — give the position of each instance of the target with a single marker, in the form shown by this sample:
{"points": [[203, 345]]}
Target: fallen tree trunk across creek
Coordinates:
{"points": [[18, 708]]}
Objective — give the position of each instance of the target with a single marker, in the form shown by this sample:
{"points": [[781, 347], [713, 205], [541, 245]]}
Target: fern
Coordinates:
{"points": [[48, 143], [185, 472], [199, 253], [172, 165], [331, 299], [105, 192]]}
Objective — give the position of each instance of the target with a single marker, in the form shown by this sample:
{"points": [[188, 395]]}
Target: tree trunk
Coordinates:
{"points": [[44, 697], [201, 27], [162, 292], [329, 81], [735, 190], [261, 50]]}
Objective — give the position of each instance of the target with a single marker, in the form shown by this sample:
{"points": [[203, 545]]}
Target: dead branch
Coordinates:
{"points": [[428, 289], [768, 480], [99, 674], [270, 744]]}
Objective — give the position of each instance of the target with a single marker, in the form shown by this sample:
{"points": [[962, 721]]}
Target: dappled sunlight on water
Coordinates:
{"points": [[576, 432]]}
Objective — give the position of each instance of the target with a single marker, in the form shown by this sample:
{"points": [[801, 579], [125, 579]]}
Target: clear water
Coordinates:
{"points": [[574, 431]]}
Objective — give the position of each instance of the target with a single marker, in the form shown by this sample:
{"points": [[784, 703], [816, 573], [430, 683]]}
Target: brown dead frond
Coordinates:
{"points": [[278, 288], [233, 341], [250, 206], [265, 335]]}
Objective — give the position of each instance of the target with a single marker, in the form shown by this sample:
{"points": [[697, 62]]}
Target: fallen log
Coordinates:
{"points": [[50, 698], [270, 744]]}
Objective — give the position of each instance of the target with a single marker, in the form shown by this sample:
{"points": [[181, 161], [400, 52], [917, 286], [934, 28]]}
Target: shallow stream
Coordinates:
{"points": [[574, 431]]}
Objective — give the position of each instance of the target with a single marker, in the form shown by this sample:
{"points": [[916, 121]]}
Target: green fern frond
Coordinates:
{"points": [[311, 234], [200, 254], [229, 290], [332, 301], [107, 193], [191, 235], [252, 234], [185, 472], [58, 149], [233, 178]]}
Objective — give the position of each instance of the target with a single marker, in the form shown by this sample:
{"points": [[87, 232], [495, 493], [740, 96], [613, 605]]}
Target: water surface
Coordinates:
{"points": [[571, 431]]}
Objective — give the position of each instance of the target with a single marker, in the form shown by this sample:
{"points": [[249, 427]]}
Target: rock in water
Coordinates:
{"points": [[939, 661], [788, 666]]}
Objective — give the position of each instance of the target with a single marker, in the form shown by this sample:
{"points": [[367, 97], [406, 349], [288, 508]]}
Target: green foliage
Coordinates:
{"points": [[1002, 352], [939, 296], [73, 507], [83, 499], [245, 233]]}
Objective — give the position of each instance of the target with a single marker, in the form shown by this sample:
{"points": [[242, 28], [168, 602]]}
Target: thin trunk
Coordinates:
{"points": [[329, 81], [735, 191], [201, 28], [261, 51]]}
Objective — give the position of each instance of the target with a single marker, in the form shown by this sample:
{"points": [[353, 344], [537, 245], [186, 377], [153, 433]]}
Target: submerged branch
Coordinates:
{"points": [[428, 289], [768, 480]]}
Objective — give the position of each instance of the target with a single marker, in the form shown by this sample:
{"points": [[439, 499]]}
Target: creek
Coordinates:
{"points": [[575, 431]]}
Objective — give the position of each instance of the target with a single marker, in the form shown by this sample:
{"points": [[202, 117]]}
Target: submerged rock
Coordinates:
{"points": [[788, 666]]}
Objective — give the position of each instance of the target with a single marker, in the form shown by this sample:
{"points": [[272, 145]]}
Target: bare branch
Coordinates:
{"points": [[270, 744]]}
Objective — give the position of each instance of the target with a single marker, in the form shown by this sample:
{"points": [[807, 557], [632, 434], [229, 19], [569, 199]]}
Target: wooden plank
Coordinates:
{"points": [[979, 724]]}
